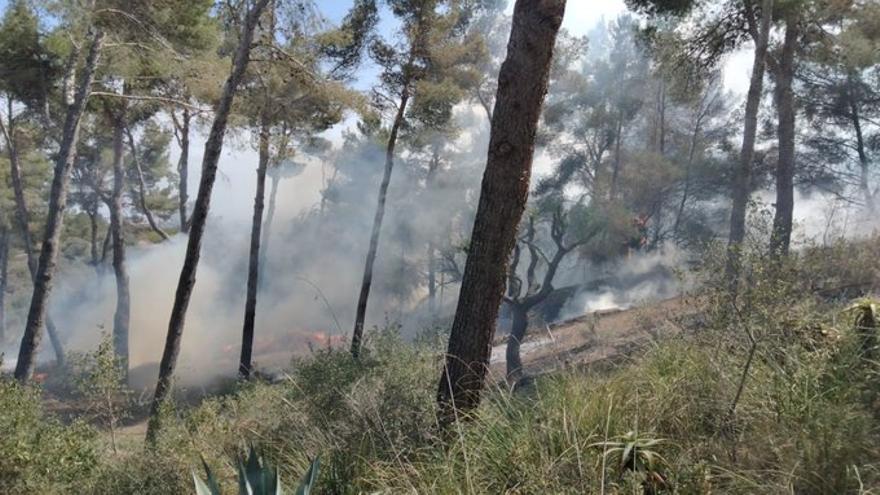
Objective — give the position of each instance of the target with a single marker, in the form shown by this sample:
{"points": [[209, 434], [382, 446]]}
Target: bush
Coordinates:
{"points": [[38, 454]]}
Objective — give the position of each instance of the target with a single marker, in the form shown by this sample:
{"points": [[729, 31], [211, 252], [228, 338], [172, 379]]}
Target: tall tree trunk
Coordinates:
{"points": [[432, 279], [22, 218], [433, 167], [92, 212], [517, 334], [250, 305], [183, 168], [45, 271], [4, 277], [618, 160], [213, 148], [864, 162], [142, 187], [267, 226], [122, 316], [743, 174], [367, 281], [522, 85], [785, 167], [692, 149]]}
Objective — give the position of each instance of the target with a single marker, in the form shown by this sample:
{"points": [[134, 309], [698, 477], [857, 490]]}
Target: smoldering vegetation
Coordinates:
{"points": [[319, 215]]}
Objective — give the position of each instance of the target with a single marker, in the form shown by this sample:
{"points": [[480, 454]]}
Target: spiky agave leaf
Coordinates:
{"points": [[211, 487], [308, 480]]}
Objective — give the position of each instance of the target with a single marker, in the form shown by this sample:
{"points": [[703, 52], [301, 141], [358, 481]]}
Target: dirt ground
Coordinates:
{"points": [[597, 338]]}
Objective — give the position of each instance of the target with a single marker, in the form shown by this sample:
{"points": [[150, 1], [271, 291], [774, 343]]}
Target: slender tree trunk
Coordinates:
{"points": [[618, 162], [267, 227], [692, 148], [142, 187], [366, 283], [92, 212], [213, 148], [743, 174], [522, 85], [122, 316], [864, 162], [30, 342], [517, 334], [785, 167], [183, 170], [432, 279], [250, 305], [4, 278]]}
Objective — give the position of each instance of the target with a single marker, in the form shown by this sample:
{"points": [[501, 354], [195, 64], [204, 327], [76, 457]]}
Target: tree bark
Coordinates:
{"points": [[522, 85], [4, 277], [785, 167], [183, 167], [55, 218], [517, 334], [122, 316], [367, 281], [142, 187], [213, 149], [267, 227], [743, 174], [250, 305], [864, 161], [22, 218]]}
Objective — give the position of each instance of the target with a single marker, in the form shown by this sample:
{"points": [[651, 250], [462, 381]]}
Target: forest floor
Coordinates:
{"points": [[597, 339]]}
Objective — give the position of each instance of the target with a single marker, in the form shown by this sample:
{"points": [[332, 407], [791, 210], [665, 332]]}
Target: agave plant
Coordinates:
{"points": [[631, 452], [256, 477]]}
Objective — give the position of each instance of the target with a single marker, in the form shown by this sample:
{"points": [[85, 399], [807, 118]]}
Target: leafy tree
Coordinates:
{"points": [[422, 74], [213, 147]]}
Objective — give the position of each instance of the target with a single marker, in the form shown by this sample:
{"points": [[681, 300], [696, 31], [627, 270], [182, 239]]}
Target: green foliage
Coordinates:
{"points": [[39, 454]]}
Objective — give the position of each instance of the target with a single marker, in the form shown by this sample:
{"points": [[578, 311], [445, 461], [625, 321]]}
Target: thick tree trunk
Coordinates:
{"points": [[517, 334], [183, 169], [4, 280], [785, 167], [142, 187], [522, 85], [250, 305], [743, 174], [213, 148], [55, 218], [367, 281], [122, 316]]}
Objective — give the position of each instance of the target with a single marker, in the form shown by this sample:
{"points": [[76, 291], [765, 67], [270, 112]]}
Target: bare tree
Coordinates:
{"points": [[523, 295], [213, 148], [522, 85], [45, 270]]}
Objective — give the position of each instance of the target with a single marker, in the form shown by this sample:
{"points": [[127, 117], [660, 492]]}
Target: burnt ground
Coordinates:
{"points": [[599, 339]]}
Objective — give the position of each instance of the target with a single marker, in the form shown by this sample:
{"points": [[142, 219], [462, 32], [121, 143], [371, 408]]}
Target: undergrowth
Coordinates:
{"points": [[687, 415]]}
